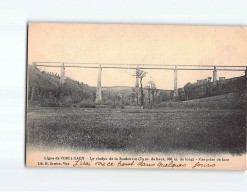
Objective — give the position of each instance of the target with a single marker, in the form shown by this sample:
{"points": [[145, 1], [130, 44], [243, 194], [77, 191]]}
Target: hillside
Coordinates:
{"points": [[117, 88], [226, 101], [126, 96], [45, 89], [205, 88]]}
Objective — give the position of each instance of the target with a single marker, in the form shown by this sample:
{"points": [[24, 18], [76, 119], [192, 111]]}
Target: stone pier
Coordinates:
{"points": [[62, 74], [215, 76], [137, 87], [176, 81], [98, 90]]}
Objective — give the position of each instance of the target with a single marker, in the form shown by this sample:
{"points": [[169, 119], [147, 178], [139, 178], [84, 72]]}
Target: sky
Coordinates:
{"points": [[137, 44]]}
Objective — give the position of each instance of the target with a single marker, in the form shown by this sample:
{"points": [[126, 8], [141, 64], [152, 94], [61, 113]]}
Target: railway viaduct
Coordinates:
{"points": [[175, 68]]}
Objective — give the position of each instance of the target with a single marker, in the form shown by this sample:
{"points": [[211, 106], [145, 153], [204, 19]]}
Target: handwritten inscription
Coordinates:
{"points": [[81, 163], [123, 164], [170, 165], [203, 165], [143, 164], [126, 162]]}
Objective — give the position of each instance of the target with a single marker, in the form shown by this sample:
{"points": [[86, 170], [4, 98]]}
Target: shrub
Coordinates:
{"points": [[109, 102], [49, 103], [98, 103], [86, 104]]}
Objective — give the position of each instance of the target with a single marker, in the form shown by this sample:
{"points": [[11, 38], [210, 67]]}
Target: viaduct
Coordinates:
{"points": [[175, 68]]}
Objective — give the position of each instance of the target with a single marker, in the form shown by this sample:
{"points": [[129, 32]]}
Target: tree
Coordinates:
{"points": [[141, 74], [151, 88], [148, 88], [153, 91]]}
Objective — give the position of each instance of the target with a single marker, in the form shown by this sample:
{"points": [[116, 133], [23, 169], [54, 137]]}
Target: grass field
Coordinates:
{"points": [[157, 130]]}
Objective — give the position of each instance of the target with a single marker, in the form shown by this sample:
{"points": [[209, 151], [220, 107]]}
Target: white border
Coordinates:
{"points": [[14, 15]]}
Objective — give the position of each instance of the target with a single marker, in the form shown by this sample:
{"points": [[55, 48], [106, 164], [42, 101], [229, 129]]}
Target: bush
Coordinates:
{"points": [[98, 103], [122, 106], [49, 103], [86, 104], [109, 102]]}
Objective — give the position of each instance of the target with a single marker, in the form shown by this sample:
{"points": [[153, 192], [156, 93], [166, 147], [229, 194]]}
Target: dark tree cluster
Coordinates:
{"points": [[207, 89], [46, 89]]}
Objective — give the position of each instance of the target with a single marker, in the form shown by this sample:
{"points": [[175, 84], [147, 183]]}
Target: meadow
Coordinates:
{"points": [[133, 130]]}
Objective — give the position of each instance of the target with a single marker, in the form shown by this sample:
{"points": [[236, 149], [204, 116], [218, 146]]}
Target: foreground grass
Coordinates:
{"points": [[204, 131]]}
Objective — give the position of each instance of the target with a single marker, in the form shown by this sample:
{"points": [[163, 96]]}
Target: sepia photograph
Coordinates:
{"points": [[136, 96], [116, 96]]}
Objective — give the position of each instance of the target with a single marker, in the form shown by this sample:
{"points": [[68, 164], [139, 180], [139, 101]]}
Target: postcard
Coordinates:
{"points": [[136, 96]]}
